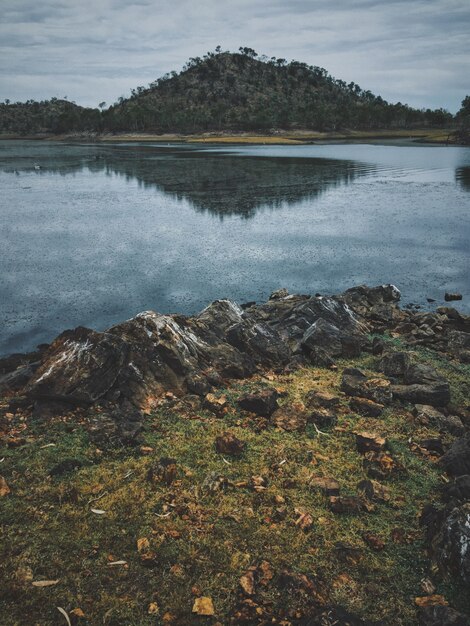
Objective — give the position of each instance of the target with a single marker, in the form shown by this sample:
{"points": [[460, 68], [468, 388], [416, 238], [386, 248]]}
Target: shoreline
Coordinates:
{"points": [[300, 137]]}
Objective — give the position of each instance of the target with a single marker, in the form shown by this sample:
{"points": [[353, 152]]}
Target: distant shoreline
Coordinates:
{"points": [[440, 136]]}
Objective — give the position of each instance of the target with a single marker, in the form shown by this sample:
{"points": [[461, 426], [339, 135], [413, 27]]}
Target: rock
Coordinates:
{"points": [[280, 293], [452, 425], [334, 342], [228, 443], [350, 505], [65, 466], [378, 346], [214, 404], [374, 491], [437, 394], [433, 445], [263, 402], [394, 364], [329, 486], [323, 399], [369, 442], [163, 472], [323, 418], [452, 545], [366, 407], [456, 461], [290, 417], [449, 297], [116, 427], [458, 490], [441, 616], [355, 383]]}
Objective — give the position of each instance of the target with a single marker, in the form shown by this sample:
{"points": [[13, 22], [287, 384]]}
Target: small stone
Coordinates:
{"points": [[164, 471], [290, 417], [366, 407], [323, 399], [228, 443], [262, 402], [329, 486], [374, 491], [367, 442], [449, 297], [215, 404], [349, 505]]}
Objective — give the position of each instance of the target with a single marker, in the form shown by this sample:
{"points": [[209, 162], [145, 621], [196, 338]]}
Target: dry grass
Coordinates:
{"points": [[206, 542]]}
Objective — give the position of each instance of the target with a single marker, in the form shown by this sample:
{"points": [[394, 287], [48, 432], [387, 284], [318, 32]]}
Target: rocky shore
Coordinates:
{"points": [[387, 364]]}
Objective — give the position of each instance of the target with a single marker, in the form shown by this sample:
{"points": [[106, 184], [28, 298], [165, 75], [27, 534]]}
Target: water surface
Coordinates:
{"points": [[101, 232]]}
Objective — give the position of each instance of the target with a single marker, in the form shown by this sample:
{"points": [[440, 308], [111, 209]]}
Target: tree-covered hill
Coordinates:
{"points": [[47, 116], [224, 91]]}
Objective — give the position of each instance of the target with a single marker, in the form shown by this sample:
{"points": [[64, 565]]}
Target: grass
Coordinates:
{"points": [[201, 543]]}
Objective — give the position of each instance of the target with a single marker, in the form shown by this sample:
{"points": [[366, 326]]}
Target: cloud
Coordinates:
{"points": [[94, 50]]}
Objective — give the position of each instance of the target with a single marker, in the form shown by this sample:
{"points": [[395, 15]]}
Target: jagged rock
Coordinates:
{"points": [[118, 427], [290, 417], [279, 293], [215, 404], [378, 346], [369, 442], [366, 407], [433, 445], [441, 616], [329, 486], [263, 402], [324, 335], [450, 541], [321, 399], [355, 383], [228, 443], [449, 297], [456, 461]]}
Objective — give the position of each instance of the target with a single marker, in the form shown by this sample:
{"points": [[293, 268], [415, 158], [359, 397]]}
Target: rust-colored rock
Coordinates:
{"points": [[228, 443]]}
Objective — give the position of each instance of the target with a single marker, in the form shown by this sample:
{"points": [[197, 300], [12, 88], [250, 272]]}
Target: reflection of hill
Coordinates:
{"points": [[221, 183], [462, 176]]}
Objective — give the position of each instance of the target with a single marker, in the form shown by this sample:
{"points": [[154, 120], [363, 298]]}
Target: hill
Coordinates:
{"points": [[241, 91], [48, 116], [224, 91]]}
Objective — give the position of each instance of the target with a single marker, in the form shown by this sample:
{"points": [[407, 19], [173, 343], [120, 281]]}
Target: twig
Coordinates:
{"points": [[320, 432], [164, 514], [225, 461], [97, 498]]}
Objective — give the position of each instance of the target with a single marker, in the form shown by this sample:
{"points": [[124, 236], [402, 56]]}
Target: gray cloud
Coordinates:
{"points": [[93, 50]]}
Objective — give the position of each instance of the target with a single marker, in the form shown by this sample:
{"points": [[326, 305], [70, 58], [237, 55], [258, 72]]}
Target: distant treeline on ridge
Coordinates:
{"points": [[224, 91]]}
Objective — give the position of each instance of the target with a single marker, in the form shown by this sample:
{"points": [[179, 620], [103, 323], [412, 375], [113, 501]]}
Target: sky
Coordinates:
{"points": [[414, 51]]}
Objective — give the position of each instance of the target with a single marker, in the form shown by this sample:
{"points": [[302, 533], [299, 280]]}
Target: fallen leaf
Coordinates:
{"points": [[153, 609], [4, 488], [247, 582], [203, 606], [78, 613], [143, 544], [45, 583], [64, 613], [98, 511], [304, 521], [434, 600]]}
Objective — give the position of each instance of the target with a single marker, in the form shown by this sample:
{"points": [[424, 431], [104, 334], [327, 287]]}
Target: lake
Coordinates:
{"points": [[103, 231]]}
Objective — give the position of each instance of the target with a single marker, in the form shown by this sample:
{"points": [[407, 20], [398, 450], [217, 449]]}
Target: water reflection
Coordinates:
{"points": [[222, 184], [462, 176]]}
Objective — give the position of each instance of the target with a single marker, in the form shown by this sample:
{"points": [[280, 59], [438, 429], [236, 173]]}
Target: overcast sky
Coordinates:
{"points": [[413, 51]]}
